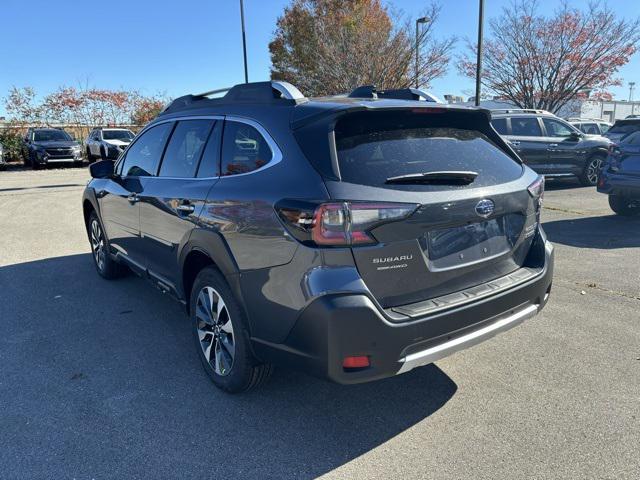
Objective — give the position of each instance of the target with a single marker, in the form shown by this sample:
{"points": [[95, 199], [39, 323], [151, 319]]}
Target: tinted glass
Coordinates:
{"points": [[210, 163], [633, 139], [603, 127], [625, 127], [500, 124], [143, 156], [556, 129], [369, 155], [117, 135], [525, 127], [243, 149], [185, 147], [589, 128], [50, 135]]}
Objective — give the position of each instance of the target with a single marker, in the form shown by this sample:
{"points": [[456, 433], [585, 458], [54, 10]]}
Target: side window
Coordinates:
{"points": [[210, 163], [500, 124], [143, 156], [185, 148], [243, 149], [590, 128], [603, 127], [525, 127], [556, 129], [633, 139]]}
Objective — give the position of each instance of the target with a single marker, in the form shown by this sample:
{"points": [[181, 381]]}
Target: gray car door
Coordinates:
{"points": [[525, 136]]}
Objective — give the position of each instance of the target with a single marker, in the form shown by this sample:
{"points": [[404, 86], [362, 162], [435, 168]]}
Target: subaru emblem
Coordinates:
{"points": [[485, 208]]}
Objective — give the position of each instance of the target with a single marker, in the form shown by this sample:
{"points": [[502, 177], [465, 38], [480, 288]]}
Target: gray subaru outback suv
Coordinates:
{"points": [[354, 237]]}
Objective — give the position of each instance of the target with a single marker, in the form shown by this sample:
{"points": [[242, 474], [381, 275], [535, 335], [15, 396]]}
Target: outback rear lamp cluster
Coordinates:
{"points": [[536, 189], [339, 223]]}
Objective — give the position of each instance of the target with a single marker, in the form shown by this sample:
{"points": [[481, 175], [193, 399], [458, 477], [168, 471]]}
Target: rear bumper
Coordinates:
{"points": [[619, 184], [334, 326]]}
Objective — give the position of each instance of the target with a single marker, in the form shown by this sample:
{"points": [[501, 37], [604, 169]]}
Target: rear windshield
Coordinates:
{"points": [[384, 147], [625, 127]]}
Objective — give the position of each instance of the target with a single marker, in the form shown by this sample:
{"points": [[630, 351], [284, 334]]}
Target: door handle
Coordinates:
{"points": [[133, 198], [185, 208], [515, 143], [553, 145]]}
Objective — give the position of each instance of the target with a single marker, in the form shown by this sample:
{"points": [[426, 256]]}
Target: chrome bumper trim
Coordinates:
{"points": [[445, 349]]}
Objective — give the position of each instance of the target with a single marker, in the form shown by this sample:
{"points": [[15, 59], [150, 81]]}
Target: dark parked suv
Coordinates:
{"points": [[620, 177], [46, 146], [551, 146], [353, 238]]}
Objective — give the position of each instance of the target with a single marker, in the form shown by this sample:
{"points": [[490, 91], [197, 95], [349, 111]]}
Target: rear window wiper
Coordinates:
{"points": [[435, 178]]}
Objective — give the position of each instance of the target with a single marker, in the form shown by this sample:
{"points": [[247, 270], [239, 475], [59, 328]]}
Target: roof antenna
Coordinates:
{"points": [[244, 43]]}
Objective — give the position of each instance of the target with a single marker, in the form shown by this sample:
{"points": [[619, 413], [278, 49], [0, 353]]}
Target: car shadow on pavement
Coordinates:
{"points": [[102, 378], [605, 232]]}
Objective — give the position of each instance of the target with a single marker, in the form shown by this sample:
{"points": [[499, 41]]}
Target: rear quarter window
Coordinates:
{"points": [[372, 149]]}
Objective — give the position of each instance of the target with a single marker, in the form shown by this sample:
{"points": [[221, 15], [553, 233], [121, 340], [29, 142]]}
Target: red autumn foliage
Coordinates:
{"points": [[545, 62]]}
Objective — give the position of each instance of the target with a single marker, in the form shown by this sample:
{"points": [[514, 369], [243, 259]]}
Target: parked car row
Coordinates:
{"points": [[47, 146]]}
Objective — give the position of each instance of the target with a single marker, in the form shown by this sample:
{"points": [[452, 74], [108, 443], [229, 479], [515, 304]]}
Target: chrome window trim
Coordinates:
{"points": [[273, 146]]}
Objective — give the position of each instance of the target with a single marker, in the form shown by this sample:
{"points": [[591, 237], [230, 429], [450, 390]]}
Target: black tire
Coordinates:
{"points": [[222, 341], [103, 153], [591, 172], [624, 206], [26, 158], [106, 266], [89, 156]]}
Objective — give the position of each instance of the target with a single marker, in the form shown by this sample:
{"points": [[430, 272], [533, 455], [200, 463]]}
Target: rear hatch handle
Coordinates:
{"points": [[444, 177]]}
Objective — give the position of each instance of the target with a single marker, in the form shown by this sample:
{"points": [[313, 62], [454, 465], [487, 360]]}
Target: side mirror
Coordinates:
{"points": [[102, 169], [575, 135]]}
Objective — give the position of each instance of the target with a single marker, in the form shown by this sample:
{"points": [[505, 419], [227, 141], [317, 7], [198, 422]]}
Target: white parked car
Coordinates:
{"points": [[590, 126], [104, 143]]}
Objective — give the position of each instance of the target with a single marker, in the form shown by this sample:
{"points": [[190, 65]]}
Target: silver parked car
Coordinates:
{"points": [[104, 143], [590, 126], [2, 161]]}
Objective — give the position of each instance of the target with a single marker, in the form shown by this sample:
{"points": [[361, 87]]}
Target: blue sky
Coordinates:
{"points": [[187, 46]]}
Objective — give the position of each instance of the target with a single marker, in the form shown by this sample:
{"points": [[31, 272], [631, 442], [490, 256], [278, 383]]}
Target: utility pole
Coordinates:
{"points": [[479, 58], [418, 22], [244, 43], [632, 87]]}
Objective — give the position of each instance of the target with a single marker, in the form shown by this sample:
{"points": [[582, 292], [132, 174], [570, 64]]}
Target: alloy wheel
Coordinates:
{"points": [[98, 244], [593, 170], [215, 331]]}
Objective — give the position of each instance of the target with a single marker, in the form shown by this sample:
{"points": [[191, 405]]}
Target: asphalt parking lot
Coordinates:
{"points": [[101, 380]]}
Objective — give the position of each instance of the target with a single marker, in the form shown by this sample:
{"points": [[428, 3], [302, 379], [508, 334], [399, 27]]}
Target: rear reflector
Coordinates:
{"points": [[355, 362]]}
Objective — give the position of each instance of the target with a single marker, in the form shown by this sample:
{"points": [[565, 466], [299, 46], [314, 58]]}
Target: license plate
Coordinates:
{"points": [[465, 244]]}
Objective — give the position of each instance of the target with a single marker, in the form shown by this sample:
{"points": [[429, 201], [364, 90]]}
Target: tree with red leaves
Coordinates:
{"points": [[332, 46], [545, 62]]}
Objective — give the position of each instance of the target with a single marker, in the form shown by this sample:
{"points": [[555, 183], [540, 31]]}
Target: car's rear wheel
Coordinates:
{"points": [[89, 156], [624, 206], [591, 171], [103, 154], [221, 335], [106, 266]]}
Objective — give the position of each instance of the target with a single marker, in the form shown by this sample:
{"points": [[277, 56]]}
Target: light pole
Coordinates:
{"points": [[632, 87], [244, 43], [479, 59], [418, 22]]}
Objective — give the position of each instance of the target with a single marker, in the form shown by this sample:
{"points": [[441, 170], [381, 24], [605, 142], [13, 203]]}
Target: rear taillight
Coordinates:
{"points": [[339, 223], [536, 189]]}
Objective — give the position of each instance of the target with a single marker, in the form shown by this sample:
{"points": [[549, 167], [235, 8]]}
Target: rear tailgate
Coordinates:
{"points": [[460, 235]]}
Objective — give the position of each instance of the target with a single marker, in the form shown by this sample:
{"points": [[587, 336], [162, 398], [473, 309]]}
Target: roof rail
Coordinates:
{"points": [[370, 91], [585, 119], [256, 92], [519, 110]]}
